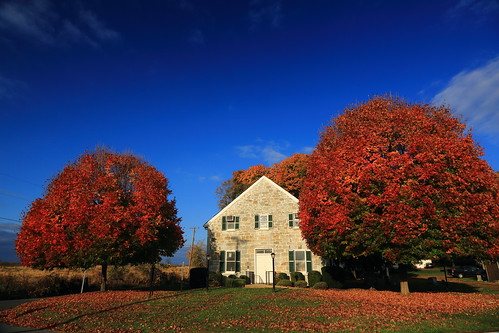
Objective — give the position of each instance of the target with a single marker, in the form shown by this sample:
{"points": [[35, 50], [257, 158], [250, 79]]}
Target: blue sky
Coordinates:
{"points": [[200, 89]]}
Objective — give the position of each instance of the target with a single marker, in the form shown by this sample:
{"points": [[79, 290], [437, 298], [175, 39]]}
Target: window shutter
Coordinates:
{"points": [[237, 222], [222, 261], [224, 223], [270, 221], [257, 224], [291, 261], [309, 261], [238, 261], [291, 218]]}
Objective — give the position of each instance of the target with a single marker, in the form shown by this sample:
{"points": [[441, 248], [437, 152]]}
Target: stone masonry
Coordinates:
{"points": [[263, 197]]}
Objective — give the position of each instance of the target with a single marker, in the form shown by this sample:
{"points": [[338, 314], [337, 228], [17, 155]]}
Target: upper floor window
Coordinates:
{"points": [[293, 220], [230, 222], [263, 221]]}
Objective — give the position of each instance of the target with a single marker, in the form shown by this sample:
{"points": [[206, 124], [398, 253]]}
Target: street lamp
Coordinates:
{"points": [[273, 271], [208, 257]]}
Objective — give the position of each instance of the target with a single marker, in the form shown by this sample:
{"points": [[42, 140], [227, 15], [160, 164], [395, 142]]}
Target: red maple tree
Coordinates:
{"points": [[402, 181], [105, 208], [288, 174]]}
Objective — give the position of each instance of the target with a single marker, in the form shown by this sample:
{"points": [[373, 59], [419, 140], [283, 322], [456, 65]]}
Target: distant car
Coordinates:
{"points": [[428, 265], [465, 271]]}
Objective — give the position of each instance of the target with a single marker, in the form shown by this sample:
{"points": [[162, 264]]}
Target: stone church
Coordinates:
{"points": [[261, 221]]}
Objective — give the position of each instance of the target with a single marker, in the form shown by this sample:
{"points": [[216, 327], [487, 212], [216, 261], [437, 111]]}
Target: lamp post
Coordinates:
{"points": [[207, 270], [273, 271]]}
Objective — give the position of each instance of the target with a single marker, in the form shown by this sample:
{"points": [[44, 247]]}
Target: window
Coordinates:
{"points": [[293, 220], [263, 221], [230, 222], [230, 261], [300, 261]]}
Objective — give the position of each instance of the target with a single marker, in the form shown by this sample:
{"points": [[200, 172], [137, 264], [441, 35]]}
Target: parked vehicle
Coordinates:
{"points": [[466, 271]]}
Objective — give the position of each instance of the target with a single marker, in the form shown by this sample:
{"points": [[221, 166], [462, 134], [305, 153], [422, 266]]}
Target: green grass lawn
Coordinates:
{"points": [[260, 310]]}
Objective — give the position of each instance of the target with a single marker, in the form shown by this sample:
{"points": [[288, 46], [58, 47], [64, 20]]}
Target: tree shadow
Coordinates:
{"points": [[416, 284], [54, 326]]}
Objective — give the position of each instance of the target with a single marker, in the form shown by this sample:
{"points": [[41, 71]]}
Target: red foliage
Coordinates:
{"points": [[402, 180], [104, 208], [288, 174]]}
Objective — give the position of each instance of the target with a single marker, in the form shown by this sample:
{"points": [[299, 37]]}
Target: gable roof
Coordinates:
{"points": [[249, 189]]}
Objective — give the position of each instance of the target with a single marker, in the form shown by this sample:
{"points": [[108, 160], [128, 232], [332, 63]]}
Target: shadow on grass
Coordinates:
{"points": [[54, 326], [416, 284]]}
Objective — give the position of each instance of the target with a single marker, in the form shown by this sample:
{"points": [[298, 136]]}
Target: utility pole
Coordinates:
{"points": [[192, 247]]}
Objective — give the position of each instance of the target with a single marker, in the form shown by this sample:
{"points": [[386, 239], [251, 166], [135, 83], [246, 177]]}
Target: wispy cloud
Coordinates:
{"points": [[40, 22], [197, 37], [265, 13], [475, 95], [10, 227], [13, 194], [97, 27], [268, 152], [307, 150], [10, 88], [479, 10]]}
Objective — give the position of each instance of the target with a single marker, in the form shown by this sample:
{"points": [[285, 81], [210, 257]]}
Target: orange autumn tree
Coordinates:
{"points": [[401, 181], [288, 174], [105, 208]]}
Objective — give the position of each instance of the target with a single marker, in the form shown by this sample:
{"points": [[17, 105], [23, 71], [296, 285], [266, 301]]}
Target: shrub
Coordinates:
{"points": [[245, 278], [314, 277], [234, 283], [215, 279], [327, 277], [301, 284], [295, 276], [232, 276], [282, 276], [197, 277], [284, 283], [320, 285]]}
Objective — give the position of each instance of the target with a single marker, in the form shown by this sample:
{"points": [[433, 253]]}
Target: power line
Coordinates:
{"points": [[7, 219]]}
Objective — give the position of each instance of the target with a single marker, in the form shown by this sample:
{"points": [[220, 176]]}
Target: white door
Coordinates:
{"points": [[263, 266]]}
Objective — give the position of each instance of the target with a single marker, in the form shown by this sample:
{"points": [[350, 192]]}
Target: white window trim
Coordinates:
{"points": [[304, 261], [295, 220], [266, 222], [227, 261]]}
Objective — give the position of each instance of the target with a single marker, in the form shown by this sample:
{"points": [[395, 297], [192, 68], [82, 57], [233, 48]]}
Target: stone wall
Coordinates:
{"points": [[265, 197]]}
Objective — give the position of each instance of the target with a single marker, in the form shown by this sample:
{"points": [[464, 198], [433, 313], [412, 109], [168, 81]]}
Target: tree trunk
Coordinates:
{"points": [[404, 284], [103, 281], [83, 280], [151, 280]]}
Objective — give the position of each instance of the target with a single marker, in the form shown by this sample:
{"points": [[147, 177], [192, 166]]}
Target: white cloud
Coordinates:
{"points": [[39, 22], [31, 19], [197, 37], [10, 88], [307, 150], [475, 95], [479, 10], [97, 27], [268, 152], [265, 13]]}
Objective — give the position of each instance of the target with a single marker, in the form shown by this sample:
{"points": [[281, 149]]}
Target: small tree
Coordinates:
{"points": [[105, 208], [400, 181], [197, 255]]}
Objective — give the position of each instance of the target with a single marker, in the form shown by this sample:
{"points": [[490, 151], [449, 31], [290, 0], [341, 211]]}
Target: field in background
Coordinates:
{"points": [[17, 281]]}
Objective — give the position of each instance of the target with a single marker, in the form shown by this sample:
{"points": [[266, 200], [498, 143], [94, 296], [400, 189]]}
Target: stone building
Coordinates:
{"points": [[260, 221]]}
